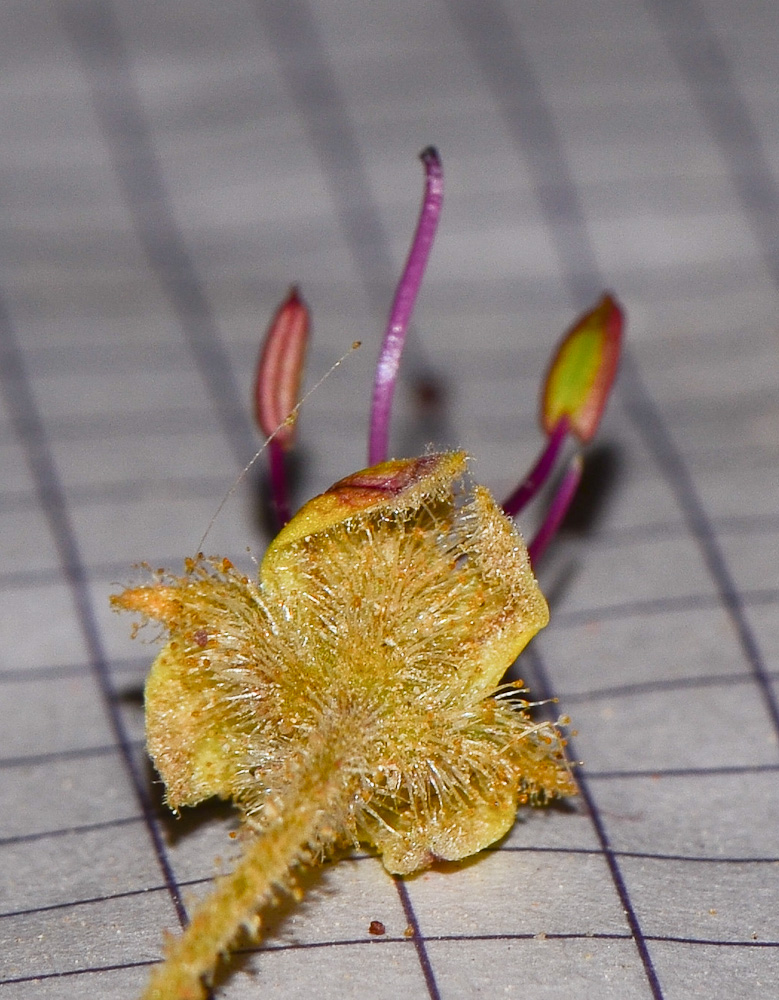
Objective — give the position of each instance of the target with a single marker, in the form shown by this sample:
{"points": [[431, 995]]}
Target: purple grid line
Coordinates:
{"points": [[313, 86], [544, 690], [592, 775], [531, 123], [66, 831], [205, 486], [716, 860], [117, 108], [407, 942], [95, 36], [708, 75], [46, 759], [418, 939], [497, 52], [657, 437], [21, 405], [704, 64]]}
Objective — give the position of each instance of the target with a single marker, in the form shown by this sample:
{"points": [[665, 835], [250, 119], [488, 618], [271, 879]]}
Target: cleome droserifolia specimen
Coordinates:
{"points": [[352, 693]]}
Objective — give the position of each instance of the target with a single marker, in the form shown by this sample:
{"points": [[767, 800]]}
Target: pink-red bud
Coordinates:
{"points": [[280, 370]]}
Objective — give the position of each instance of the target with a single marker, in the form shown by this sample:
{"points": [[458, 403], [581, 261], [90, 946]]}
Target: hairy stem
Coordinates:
{"points": [[305, 812]]}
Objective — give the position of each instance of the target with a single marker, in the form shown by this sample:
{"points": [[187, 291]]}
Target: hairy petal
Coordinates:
{"points": [[213, 693], [426, 586], [481, 764]]}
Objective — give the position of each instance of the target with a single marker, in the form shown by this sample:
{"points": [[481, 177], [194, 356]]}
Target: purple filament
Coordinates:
{"points": [[557, 510], [278, 483], [403, 306], [539, 474]]}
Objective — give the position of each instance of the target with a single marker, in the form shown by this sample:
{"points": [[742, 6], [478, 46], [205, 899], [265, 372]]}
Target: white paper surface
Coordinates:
{"points": [[166, 172]]}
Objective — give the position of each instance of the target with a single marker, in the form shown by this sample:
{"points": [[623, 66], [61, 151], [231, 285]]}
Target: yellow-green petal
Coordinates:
{"points": [[195, 744], [396, 485]]}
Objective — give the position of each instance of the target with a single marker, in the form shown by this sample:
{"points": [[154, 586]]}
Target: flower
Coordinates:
{"points": [[352, 693]]}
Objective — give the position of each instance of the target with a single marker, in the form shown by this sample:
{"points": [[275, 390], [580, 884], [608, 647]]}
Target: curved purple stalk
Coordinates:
{"points": [[557, 509], [402, 307], [539, 474]]}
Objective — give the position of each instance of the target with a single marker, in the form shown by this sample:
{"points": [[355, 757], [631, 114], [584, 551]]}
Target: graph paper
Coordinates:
{"points": [[166, 172]]}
